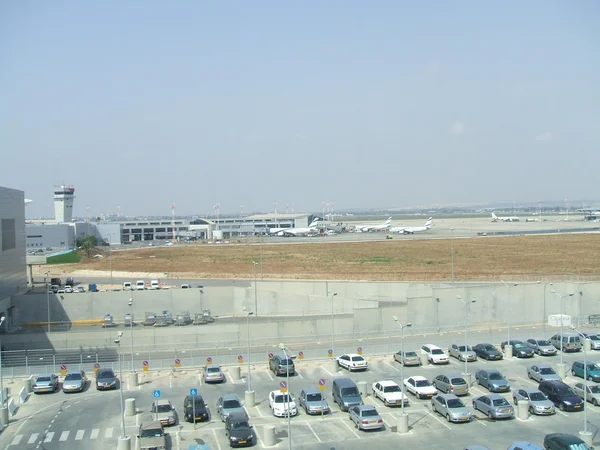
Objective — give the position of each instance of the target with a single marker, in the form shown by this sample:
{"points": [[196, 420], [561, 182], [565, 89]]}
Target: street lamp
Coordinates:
{"points": [[254, 263], [585, 383], [562, 309], [118, 342], [466, 303], [545, 316], [131, 328], [402, 327], [248, 314], [287, 382], [452, 251], [47, 298], [508, 347], [110, 258], [3, 408], [333, 294]]}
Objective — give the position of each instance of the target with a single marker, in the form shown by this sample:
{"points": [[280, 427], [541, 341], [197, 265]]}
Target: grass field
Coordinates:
{"points": [[65, 258], [479, 258]]}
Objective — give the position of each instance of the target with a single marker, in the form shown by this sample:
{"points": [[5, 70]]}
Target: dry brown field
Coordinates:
{"points": [[480, 258]]}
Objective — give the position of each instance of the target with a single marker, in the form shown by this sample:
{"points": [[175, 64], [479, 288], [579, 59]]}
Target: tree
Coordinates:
{"points": [[87, 243]]}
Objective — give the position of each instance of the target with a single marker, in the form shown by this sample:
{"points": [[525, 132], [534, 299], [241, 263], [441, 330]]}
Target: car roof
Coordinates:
{"points": [[554, 383], [486, 343], [387, 383], [230, 397], [278, 392], [544, 365], [149, 425], [418, 377], [162, 401], [431, 345], [529, 390], [75, 372], [366, 407], [237, 416], [352, 355], [46, 375], [526, 444], [489, 370], [567, 438], [453, 375], [493, 396], [311, 390], [447, 396]]}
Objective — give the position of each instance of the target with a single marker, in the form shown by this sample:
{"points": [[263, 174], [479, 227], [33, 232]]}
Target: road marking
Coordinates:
{"points": [[49, 436], [33, 438], [64, 436], [313, 431], [79, 435], [479, 421], [562, 413], [348, 426], [527, 380], [94, 433], [299, 374], [269, 373], [108, 433], [395, 368], [216, 438], [323, 367], [479, 390], [434, 415], [17, 439]]}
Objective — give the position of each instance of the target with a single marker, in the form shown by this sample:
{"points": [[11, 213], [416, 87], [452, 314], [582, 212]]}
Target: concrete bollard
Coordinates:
{"points": [[587, 346], [130, 407], [29, 384], [133, 380], [250, 399], [508, 351], [424, 360], [402, 424], [236, 373], [268, 435], [523, 410], [333, 366], [124, 443], [586, 436], [561, 370], [362, 388], [4, 416], [468, 379]]}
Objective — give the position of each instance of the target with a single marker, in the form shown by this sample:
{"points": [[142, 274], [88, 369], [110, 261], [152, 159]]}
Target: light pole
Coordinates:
{"points": [[404, 418], [47, 298], [254, 263], [201, 302], [452, 251], [110, 258], [248, 314], [508, 347], [287, 382], [333, 294], [584, 434], [131, 328], [466, 303], [562, 310], [544, 311], [123, 438]]}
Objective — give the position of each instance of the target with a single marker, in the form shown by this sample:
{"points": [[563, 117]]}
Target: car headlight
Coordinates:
{"points": [[567, 402], [233, 438], [495, 386]]}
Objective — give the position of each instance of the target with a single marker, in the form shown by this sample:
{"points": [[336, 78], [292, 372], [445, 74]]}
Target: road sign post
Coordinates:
{"points": [[156, 395], [240, 359], [330, 353], [96, 367], [282, 386], [271, 355], [193, 393], [322, 387], [145, 366], [301, 355], [177, 363], [63, 369], [359, 350], [208, 361]]}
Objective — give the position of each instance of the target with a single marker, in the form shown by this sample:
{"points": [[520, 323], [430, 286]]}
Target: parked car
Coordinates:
{"points": [[451, 407], [409, 358], [282, 365], [562, 395], [46, 382], [282, 404], [420, 387], [492, 380], [435, 355], [79, 289], [519, 348], [140, 285], [238, 430], [452, 383], [487, 351], [68, 289], [389, 393], [74, 381], [194, 409], [154, 285], [562, 441], [494, 406], [352, 362], [152, 436], [365, 417], [462, 352], [313, 401], [127, 285], [213, 374], [594, 340], [106, 379], [589, 371], [568, 342], [593, 391], [229, 404], [542, 347], [542, 372], [164, 412], [345, 393], [537, 401], [525, 445]]}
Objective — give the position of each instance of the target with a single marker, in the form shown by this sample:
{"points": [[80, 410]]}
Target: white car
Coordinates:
{"points": [[420, 387], [435, 355], [279, 401], [352, 361], [154, 285], [389, 393], [140, 285]]}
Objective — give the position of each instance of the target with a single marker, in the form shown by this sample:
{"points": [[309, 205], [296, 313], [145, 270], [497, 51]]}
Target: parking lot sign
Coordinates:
{"points": [[359, 350], [156, 393], [283, 386], [300, 355], [193, 392], [208, 361]]}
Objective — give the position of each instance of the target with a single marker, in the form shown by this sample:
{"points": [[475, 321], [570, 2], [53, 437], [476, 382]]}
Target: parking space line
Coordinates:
{"points": [[323, 367], [562, 413], [230, 378], [434, 414], [479, 421], [216, 439], [313, 431], [478, 390], [269, 374], [348, 426], [527, 380], [395, 368], [299, 374]]}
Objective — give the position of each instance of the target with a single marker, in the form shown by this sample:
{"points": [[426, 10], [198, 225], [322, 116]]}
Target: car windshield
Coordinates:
{"points": [[489, 347], [358, 358], [565, 391], [437, 351], [285, 362], [457, 381], [547, 371], [593, 367], [455, 403], [162, 408], [231, 404], [369, 413], [213, 370], [43, 379], [105, 374], [422, 383], [594, 389], [313, 397], [544, 343], [349, 391], [500, 402], [519, 345], [282, 398], [496, 376], [198, 401], [594, 337], [240, 426], [462, 348], [394, 388], [410, 354], [73, 377], [537, 396], [152, 432]]}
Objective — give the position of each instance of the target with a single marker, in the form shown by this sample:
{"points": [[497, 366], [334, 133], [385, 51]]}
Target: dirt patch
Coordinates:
{"points": [[481, 258]]}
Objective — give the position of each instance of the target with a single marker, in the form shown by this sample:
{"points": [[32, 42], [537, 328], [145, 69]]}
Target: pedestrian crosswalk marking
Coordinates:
{"points": [[94, 433], [33, 438], [108, 433], [17, 439], [64, 436], [49, 436], [79, 435]]}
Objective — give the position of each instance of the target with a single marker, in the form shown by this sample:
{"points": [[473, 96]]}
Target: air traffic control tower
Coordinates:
{"points": [[63, 203]]}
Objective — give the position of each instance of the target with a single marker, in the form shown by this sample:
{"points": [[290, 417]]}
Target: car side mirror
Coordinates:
{"points": [[251, 426], [138, 436]]}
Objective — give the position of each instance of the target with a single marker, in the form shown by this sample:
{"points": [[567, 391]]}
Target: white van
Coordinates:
{"points": [[127, 286], [186, 286], [140, 285], [154, 285]]}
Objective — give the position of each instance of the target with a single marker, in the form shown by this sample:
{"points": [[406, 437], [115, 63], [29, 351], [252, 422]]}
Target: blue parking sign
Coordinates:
{"points": [[193, 392], [204, 446], [156, 393]]}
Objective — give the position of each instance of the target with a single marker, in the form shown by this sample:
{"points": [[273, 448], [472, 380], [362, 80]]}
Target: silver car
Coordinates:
{"points": [[365, 417], [494, 406], [451, 407], [542, 372], [164, 412], [213, 374], [593, 391], [409, 358], [451, 384], [594, 340], [493, 380], [229, 404], [74, 381], [537, 400], [47, 382], [313, 401], [542, 347], [462, 353], [152, 436]]}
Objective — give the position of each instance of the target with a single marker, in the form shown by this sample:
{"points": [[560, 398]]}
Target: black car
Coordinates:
{"points": [[238, 430], [106, 379], [194, 409], [562, 395], [487, 351], [562, 441], [520, 349]]}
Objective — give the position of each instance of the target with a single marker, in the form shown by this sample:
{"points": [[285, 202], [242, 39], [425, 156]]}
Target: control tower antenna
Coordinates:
{"points": [[173, 219]]}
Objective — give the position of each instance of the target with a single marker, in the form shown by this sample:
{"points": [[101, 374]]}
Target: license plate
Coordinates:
{"points": [[506, 410], [577, 406], [372, 421], [242, 442], [398, 402], [464, 418], [429, 395], [317, 410]]}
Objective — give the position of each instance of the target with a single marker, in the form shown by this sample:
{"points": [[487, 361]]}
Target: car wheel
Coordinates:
{"points": [[433, 408], [573, 373], [562, 407], [448, 417], [489, 413], [474, 406], [531, 411], [515, 401], [594, 402], [589, 378], [529, 375]]}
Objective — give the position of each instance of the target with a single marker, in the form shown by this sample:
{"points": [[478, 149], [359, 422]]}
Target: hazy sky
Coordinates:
{"points": [[141, 104]]}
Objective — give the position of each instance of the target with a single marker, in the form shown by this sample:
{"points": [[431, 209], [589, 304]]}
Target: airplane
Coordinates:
{"points": [[413, 230], [495, 218], [367, 228], [533, 219], [290, 232]]}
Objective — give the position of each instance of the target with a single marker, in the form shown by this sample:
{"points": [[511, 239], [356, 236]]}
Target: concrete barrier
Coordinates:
{"points": [[29, 384], [12, 408], [236, 373], [250, 399], [23, 394], [523, 410], [268, 435], [130, 407], [402, 424], [362, 388]]}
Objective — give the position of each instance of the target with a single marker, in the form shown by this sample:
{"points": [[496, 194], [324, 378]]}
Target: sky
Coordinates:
{"points": [[145, 104]]}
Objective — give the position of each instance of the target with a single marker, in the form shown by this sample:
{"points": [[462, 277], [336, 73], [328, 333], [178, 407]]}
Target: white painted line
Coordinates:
{"points": [[299, 374], [481, 422], [79, 435], [17, 439], [313, 431], [269, 374], [323, 367], [348, 426], [49, 436], [33, 438], [64, 436], [230, 378], [527, 380], [216, 439], [480, 391], [94, 434], [562, 413], [108, 433], [395, 368], [434, 415]]}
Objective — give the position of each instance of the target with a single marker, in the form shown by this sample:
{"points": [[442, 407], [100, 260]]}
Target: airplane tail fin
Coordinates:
{"points": [[314, 223], [494, 216], [429, 223], [388, 221]]}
